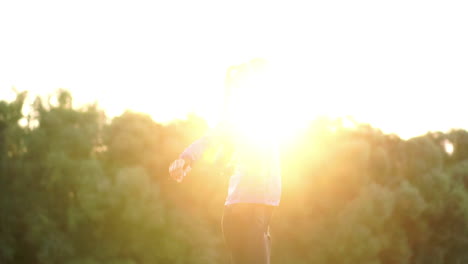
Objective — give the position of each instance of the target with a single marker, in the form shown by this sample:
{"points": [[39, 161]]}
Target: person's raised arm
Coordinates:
{"points": [[181, 166]]}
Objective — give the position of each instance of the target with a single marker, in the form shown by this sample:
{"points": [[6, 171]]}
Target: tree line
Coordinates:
{"points": [[79, 188]]}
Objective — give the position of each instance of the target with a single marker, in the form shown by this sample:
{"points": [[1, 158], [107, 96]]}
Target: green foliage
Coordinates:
{"points": [[76, 188], [84, 191]]}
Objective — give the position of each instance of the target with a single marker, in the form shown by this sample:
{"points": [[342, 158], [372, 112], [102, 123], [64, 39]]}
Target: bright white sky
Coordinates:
{"points": [[400, 65]]}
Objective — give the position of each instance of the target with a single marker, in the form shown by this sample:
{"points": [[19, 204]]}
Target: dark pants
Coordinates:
{"points": [[246, 232]]}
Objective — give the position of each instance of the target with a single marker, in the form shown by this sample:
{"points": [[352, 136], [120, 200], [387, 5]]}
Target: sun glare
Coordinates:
{"points": [[260, 105]]}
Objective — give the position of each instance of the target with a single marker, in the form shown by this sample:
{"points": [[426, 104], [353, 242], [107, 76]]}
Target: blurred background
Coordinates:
{"points": [[98, 97]]}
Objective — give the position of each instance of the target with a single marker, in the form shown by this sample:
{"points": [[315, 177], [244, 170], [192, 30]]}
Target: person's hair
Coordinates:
{"points": [[239, 75], [243, 76]]}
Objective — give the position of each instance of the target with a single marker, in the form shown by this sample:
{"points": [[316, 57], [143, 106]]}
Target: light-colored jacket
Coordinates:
{"points": [[256, 177]]}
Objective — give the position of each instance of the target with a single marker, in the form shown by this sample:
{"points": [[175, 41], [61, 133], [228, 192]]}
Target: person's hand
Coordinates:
{"points": [[178, 170]]}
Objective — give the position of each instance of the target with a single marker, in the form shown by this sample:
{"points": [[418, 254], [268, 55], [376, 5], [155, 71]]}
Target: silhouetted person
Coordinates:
{"points": [[255, 182]]}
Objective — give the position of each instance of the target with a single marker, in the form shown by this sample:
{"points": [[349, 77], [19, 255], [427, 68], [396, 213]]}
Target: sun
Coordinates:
{"points": [[259, 104]]}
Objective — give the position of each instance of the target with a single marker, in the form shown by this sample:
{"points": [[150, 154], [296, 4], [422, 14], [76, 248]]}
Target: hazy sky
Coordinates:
{"points": [[400, 65]]}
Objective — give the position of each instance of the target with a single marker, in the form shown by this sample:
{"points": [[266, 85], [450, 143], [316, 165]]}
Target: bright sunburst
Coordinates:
{"points": [[257, 102]]}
